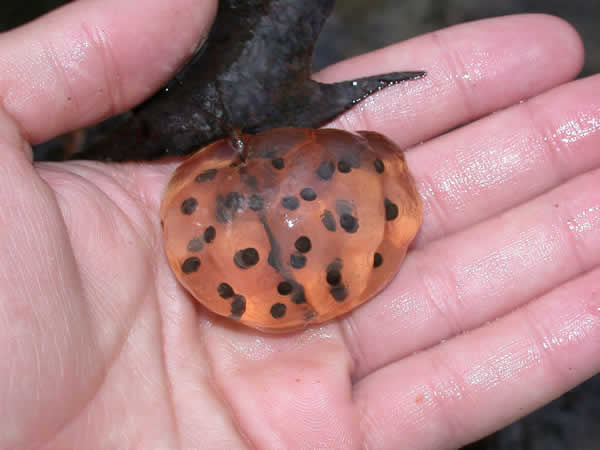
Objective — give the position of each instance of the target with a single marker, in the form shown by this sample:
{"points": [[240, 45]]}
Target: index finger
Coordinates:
{"points": [[473, 69], [92, 59]]}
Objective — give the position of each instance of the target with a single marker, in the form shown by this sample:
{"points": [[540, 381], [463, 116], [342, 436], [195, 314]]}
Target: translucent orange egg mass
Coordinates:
{"points": [[304, 227]]}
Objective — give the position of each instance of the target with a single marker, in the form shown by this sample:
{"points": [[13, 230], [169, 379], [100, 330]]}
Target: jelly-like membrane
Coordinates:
{"points": [[232, 229]]}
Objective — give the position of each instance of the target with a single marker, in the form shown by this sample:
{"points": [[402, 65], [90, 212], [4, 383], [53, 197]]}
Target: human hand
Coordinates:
{"points": [[100, 347]]}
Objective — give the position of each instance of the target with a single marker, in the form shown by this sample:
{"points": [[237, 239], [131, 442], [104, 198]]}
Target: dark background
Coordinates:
{"points": [[357, 26]]}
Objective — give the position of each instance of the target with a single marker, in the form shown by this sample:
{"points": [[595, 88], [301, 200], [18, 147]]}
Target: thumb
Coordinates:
{"points": [[92, 59]]}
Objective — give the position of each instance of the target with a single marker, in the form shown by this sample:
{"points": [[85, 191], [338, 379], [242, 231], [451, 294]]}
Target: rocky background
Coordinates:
{"points": [[357, 26]]}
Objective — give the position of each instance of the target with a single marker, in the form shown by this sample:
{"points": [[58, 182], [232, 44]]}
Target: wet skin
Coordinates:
{"points": [[100, 347]]}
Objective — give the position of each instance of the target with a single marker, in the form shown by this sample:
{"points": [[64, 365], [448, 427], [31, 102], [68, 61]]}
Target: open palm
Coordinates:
{"points": [[495, 312]]}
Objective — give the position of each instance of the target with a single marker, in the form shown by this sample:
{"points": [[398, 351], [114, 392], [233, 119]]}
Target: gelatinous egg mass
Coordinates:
{"points": [[311, 224]]}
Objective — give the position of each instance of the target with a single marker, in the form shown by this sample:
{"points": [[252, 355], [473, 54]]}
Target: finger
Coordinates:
{"points": [[479, 382], [472, 70], [459, 283], [89, 60], [501, 161]]}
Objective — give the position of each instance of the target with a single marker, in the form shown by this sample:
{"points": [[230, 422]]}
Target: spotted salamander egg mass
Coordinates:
{"points": [[311, 225]]}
